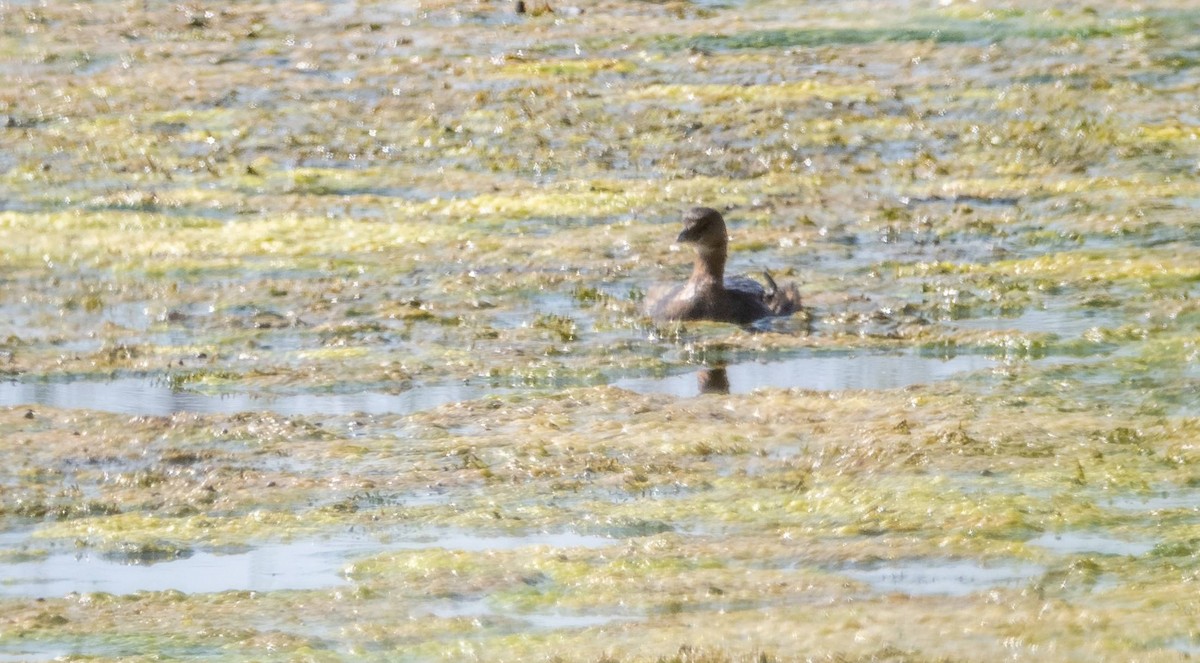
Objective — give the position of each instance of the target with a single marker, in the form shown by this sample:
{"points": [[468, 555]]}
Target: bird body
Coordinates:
{"points": [[710, 295]]}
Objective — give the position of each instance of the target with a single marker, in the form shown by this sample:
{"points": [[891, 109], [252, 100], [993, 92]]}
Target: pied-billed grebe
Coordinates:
{"points": [[708, 293]]}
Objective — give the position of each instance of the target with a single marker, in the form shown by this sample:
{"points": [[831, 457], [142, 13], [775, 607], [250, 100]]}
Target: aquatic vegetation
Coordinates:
{"points": [[356, 293]]}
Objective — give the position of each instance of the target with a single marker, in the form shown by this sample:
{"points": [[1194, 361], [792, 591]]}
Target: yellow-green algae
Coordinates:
{"points": [[318, 201]]}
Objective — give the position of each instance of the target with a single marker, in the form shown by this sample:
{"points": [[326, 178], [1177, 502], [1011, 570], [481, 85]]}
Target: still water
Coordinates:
{"points": [[825, 371], [155, 397], [295, 565], [822, 372]]}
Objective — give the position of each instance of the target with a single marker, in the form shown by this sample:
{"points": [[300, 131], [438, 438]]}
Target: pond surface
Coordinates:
{"points": [[25, 654], [821, 372], [322, 209], [1060, 319], [547, 621], [296, 565], [818, 371], [1090, 542], [284, 566], [1186, 499], [945, 577], [154, 397]]}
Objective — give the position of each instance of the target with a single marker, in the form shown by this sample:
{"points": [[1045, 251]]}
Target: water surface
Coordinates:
{"points": [[1090, 542], [295, 565], [155, 397], [943, 578], [1188, 499], [543, 621], [823, 372], [281, 566], [1061, 320]]}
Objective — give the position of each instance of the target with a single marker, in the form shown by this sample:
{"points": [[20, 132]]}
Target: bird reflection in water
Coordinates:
{"points": [[713, 380]]}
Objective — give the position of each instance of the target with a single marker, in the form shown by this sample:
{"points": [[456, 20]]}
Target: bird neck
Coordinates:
{"points": [[709, 266]]}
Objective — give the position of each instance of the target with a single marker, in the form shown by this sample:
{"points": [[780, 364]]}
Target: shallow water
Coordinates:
{"points": [[1059, 320], [295, 565], [544, 621], [28, 653], [943, 578], [1188, 646], [154, 397], [1179, 499], [285, 566], [476, 543], [437, 192], [824, 372], [1090, 542]]}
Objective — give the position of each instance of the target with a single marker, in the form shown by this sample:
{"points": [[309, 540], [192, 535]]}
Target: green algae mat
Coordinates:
{"points": [[321, 333]]}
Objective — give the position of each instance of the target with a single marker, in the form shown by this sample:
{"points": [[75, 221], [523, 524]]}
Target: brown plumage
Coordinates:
{"points": [[708, 293]]}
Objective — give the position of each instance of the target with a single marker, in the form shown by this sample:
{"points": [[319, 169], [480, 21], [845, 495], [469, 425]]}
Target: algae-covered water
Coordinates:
{"points": [[321, 331]]}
